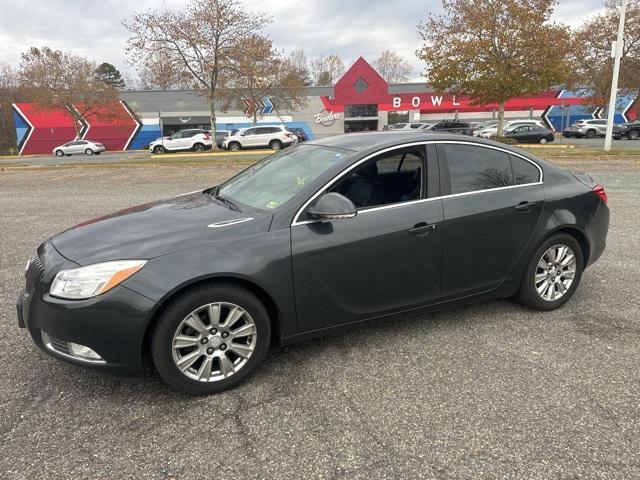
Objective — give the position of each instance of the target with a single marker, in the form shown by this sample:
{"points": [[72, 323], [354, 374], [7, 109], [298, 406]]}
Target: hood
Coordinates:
{"points": [[158, 228]]}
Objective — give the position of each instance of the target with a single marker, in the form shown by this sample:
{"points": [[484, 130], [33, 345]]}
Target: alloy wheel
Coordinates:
{"points": [[555, 272], [214, 342]]}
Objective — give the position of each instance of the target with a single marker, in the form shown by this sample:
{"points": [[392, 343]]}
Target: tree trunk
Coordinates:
{"points": [[255, 113], [212, 114], [500, 131]]}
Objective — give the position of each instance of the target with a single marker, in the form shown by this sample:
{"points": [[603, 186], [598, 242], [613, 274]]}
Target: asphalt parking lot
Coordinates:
{"points": [[486, 391]]}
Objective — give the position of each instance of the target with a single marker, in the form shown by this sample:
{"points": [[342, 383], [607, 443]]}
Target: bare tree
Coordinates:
{"points": [[392, 67], [327, 70], [202, 37], [299, 63], [260, 71], [592, 65], [162, 72], [495, 50], [55, 79]]}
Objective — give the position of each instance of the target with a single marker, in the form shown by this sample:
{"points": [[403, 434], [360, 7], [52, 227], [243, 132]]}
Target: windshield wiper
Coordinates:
{"points": [[233, 206]]}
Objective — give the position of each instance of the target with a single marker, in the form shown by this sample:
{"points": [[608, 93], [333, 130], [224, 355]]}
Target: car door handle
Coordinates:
{"points": [[422, 228], [525, 206]]}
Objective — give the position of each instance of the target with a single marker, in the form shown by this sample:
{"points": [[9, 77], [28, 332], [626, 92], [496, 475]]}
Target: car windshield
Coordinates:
{"points": [[276, 179]]}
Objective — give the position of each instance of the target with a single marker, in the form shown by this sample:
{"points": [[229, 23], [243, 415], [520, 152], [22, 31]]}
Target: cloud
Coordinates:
{"points": [[350, 28]]}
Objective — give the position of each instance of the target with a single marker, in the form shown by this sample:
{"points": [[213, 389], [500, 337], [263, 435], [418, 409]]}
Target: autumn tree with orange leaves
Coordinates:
{"points": [[495, 50]]}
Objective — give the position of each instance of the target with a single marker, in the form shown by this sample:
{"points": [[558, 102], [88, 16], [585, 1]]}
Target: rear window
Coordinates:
{"points": [[473, 168], [523, 171]]}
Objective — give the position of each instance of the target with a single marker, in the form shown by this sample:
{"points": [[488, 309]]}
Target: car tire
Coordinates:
{"points": [[158, 150], [533, 292], [59, 153], [171, 323], [543, 141], [275, 145], [591, 134], [88, 151], [633, 135], [234, 146], [198, 147]]}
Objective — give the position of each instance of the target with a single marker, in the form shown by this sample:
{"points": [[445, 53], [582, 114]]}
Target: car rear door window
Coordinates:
{"points": [[524, 172], [473, 168]]}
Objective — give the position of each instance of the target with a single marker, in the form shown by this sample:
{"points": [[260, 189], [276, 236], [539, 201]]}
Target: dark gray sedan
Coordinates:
{"points": [[317, 237]]}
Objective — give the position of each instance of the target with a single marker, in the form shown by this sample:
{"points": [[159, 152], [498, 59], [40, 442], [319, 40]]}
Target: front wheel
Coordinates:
{"points": [[198, 147], [543, 141], [553, 273], [59, 153], [633, 135], [158, 149], [234, 146], [210, 339]]}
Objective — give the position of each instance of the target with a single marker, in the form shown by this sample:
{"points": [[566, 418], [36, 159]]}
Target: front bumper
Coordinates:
{"points": [[112, 324]]}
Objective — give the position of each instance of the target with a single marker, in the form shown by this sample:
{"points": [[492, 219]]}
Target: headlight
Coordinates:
{"points": [[87, 282]]}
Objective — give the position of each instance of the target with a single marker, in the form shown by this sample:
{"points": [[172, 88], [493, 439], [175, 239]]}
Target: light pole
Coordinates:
{"points": [[616, 72]]}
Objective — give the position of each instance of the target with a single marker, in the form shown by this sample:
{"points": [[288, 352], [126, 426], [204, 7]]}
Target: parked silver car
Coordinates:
{"points": [[88, 147], [589, 128]]}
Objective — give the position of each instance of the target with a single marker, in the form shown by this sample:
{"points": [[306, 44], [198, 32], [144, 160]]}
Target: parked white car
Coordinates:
{"points": [[589, 128], [492, 130], [406, 126], [275, 137], [88, 147], [194, 139]]}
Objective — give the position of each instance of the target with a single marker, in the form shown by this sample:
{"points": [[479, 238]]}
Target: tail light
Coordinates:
{"points": [[207, 136], [288, 135], [599, 190]]}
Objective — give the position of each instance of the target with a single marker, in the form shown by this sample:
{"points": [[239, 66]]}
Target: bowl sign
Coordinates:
{"points": [[326, 118]]}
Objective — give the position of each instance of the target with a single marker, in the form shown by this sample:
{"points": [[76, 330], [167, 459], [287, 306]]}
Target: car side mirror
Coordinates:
{"points": [[333, 206]]}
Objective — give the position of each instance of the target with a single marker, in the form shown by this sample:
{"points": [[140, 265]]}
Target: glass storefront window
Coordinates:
{"points": [[355, 111]]}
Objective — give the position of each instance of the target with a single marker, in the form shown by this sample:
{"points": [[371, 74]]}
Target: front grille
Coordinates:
{"points": [[34, 273]]}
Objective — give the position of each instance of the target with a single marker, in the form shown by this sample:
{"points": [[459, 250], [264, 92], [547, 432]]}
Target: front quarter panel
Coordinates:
{"points": [[263, 260]]}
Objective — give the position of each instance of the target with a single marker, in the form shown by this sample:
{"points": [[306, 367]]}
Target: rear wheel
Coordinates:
{"points": [[553, 273], [198, 147], [591, 134], [275, 145], [210, 339]]}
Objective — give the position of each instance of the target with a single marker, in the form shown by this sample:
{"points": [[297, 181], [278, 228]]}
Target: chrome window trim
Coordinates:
{"points": [[296, 220]]}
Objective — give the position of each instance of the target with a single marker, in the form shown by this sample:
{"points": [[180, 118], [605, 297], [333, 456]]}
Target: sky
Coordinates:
{"points": [[350, 28]]}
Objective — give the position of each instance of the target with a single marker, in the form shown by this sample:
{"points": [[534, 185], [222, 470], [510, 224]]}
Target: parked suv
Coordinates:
{"points": [[586, 128], [630, 130], [194, 139], [451, 127], [273, 136]]}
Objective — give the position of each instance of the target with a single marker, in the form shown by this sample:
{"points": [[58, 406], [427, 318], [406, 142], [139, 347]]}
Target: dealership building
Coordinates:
{"points": [[360, 100]]}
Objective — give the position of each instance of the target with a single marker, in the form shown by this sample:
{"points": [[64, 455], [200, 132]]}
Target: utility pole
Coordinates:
{"points": [[616, 73]]}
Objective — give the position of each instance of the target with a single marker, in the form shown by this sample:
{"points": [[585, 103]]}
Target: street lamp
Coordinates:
{"points": [[616, 72]]}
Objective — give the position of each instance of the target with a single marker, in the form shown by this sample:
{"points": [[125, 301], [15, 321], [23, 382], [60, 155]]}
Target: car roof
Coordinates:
{"points": [[388, 138]]}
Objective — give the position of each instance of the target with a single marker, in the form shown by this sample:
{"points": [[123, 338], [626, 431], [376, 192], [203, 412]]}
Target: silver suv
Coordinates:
{"points": [[586, 128], [194, 139], [273, 136]]}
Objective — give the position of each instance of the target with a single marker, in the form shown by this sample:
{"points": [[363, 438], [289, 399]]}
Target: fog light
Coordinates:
{"points": [[83, 352]]}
